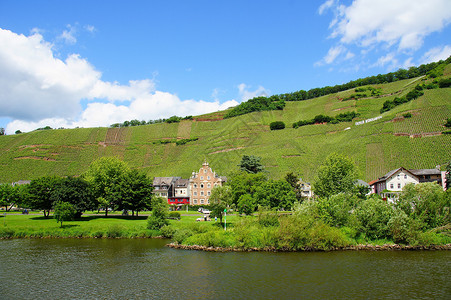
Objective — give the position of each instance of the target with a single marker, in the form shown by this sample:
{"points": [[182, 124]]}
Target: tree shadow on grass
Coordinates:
{"points": [[130, 218], [41, 218], [66, 226]]}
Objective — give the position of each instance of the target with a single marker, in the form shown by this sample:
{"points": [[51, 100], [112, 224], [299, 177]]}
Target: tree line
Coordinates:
{"points": [[108, 184], [135, 122], [277, 102]]}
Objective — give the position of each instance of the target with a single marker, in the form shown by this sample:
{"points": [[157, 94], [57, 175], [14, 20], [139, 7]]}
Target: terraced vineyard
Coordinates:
{"points": [[376, 147]]}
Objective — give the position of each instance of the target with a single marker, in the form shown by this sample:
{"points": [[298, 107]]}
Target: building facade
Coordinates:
{"points": [[394, 181], [201, 184], [164, 186], [181, 192]]}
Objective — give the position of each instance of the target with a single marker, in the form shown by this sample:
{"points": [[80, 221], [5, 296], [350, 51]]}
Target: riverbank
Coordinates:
{"points": [[386, 247]]}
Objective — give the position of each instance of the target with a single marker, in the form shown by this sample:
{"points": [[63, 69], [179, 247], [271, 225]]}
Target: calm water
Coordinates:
{"points": [[145, 269]]}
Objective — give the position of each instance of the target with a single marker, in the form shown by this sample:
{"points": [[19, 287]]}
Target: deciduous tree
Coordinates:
{"points": [[251, 164], [39, 193], [134, 191], [104, 175], [338, 174], [64, 211]]}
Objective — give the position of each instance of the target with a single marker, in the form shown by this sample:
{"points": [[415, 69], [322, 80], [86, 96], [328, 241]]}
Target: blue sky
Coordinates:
{"points": [[94, 63]]}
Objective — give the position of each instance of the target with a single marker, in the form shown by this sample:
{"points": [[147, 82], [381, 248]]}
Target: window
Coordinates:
{"points": [[208, 177], [208, 201], [201, 201], [205, 171], [208, 193], [405, 176], [399, 176], [201, 193], [209, 185], [399, 185], [195, 185], [201, 177], [195, 201], [195, 193], [391, 185]]}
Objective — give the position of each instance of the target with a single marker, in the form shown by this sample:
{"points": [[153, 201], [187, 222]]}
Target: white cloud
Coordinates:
{"points": [[245, 94], [402, 22], [325, 6], [38, 90], [436, 54], [69, 35], [90, 28], [386, 24]]}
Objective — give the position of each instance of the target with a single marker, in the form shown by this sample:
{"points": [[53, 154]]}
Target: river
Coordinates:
{"points": [[146, 269]]}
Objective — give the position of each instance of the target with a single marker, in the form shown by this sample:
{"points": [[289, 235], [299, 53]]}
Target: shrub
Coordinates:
{"points": [[407, 115], [114, 231], [444, 83], [373, 216], [159, 215], [181, 235], [448, 123], [268, 218], [168, 231], [174, 215], [277, 125], [399, 226]]}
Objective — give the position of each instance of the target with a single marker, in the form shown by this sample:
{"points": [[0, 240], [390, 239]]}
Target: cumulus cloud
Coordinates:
{"points": [[246, 94], [436, 54], [38, 89], [400, 24]]}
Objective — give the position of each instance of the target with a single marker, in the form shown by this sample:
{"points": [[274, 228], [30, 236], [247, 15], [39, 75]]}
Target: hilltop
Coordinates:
{"points": [[392, 140]]}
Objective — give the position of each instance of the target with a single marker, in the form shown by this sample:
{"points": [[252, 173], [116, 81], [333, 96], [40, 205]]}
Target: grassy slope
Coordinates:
{"points": [[376, 147]]}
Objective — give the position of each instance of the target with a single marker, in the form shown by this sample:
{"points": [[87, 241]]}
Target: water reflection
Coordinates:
{"points": [[145, 269]]}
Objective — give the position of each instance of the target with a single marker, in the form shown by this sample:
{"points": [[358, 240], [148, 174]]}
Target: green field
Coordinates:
{"points": [[91, 225], [376, 147]]}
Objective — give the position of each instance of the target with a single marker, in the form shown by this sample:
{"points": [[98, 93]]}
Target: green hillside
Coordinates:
{"points": [[376, 147]]}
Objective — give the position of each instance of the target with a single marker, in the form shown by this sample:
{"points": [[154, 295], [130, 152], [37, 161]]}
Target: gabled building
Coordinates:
{"points": [[391, 184], [201, 184], [394, 181], [305, 188], [181, 192], [164, 186]]}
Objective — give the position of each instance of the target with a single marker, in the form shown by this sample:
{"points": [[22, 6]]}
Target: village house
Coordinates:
{"points": [[306, 189], [181, 192], [392, 183], [164, 186], [201, 184]]}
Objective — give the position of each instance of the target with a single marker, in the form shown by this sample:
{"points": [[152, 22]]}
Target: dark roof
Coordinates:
{"points": [[361, 182], [157, 181], [422, 172], [181, 182]]}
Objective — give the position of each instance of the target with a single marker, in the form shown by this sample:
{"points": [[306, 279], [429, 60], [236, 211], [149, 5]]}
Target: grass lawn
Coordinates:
{"points": [[15, 225]]}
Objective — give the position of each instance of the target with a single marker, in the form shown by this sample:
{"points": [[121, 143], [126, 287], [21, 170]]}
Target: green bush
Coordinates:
{"points": [[181, 235], [373, 216], [277, 125], [159, 215], [167, 231], [175, 215], [444, 83], [407, 115], [114, 231]]}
